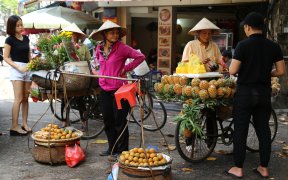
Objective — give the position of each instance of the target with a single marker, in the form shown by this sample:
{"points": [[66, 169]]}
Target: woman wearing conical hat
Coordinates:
{"points": [[111, 54], [77, 38], [203, 46]]}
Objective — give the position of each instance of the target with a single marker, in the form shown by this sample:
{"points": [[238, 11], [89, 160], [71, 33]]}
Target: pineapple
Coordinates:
{"points": [[177, 89], [221, 82], [170, 79], [204, 84], [212, 82], [195, 82], [183, 80], [230, 83], [166, 89], [228, 92], [188, 91], [176, 79], [164, 79], [212, 90], [156, 87], [220, 92], [161, 88], [171, 90], [183, 90], [203, 94], [195, 92]]}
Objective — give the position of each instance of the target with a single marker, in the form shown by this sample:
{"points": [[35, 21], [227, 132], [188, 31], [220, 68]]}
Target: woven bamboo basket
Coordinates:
{"points": [[52, 151], [72, 82], [160, 172], [126, 172], [49, 155], [224, 112]]}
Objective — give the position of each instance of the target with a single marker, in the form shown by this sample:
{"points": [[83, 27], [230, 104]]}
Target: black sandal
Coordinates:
{"points": [[16, 133], [255, 170], [23, 128], [226, 172]]}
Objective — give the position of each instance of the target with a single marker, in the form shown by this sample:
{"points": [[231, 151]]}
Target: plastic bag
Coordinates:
{"points": [[114, 174], [35, 93], [74, 154]]}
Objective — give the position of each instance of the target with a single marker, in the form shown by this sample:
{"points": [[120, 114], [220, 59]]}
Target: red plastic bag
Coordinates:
{"points": [[74, 154]]}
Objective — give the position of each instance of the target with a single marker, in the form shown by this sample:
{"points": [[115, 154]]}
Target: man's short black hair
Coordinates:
{"points": [[255, 20]]}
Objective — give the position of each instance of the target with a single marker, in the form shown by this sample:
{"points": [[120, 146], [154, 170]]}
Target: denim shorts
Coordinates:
{"points": [[20, 76]]}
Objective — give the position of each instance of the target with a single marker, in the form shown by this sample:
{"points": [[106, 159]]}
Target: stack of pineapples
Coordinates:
{"points": [[180, 87]]}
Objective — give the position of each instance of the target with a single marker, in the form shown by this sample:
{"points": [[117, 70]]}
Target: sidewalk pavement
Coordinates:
{"points": [[16, 161]]}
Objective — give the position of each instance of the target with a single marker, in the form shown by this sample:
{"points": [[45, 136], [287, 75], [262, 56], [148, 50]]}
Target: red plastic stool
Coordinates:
{"points": [[128, 92]]}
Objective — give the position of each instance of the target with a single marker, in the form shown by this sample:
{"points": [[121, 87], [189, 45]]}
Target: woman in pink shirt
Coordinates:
{"points": [[111, 55]]}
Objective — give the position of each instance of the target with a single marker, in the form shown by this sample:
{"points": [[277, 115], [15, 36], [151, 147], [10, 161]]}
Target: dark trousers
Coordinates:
{"points": [[115, 121], [259, 108]]}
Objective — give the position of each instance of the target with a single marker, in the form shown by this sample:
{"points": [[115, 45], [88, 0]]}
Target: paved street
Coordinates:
{"points": [[16, 161]]}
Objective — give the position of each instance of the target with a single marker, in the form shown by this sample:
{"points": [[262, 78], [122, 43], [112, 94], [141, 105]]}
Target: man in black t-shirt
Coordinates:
{"points": [[253, 60]]}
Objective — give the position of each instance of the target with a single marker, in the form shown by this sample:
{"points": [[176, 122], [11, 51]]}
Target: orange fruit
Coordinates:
{"points": [[126, 156], [152, 150], [55, 126], [135, 159], [132, 153], [140, 150], [68, 136], [155, 159], [130, 158], [160, 156], [122, 158], [156, 163], [152, 155]]}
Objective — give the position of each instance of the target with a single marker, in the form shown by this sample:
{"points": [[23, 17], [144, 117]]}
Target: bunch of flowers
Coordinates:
{"points": [[58, 49], [37, 64]]}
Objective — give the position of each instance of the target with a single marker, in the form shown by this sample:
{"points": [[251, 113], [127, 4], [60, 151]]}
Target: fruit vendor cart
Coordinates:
{"points": [[205, 113], [50, 141]]}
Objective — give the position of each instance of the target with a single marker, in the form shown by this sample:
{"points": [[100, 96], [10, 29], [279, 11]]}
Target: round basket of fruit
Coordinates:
{"points": [[140, 157], [52, 133]]}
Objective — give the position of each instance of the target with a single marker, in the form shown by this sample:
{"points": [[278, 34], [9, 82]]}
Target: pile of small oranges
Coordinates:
{"points": [[53, 132], [142, 157]]}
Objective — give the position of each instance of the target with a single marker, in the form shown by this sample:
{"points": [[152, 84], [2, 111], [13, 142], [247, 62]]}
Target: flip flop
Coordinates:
{"points": [[28, 131], [259, 174], [226, 172]]}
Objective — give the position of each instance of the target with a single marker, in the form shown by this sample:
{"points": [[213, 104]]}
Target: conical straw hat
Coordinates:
{"points": [[204, 24], [108, 25], [73, 28]]}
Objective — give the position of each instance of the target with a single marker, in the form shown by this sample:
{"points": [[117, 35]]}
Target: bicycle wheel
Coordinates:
{"points": [[252, 139], [155, 115], [91, 123], [196, 149], [59, 110]]}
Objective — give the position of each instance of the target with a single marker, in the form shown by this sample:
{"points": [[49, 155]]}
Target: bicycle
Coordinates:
{"points": [[152, 120], [197, 148], [84, 113]]}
